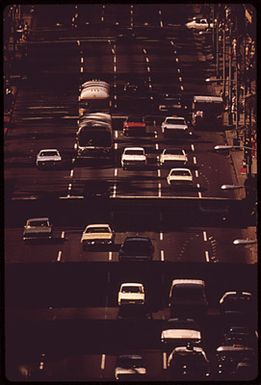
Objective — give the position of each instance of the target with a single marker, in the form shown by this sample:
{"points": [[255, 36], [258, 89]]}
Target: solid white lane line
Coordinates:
{"points": [[162, 255], [192, 147], [196, 173], [102, 361], [164, 360], [207, 256], [205, 236], [194, 160], [71, 173], [59, 256], [161, 236], [110, 255]]}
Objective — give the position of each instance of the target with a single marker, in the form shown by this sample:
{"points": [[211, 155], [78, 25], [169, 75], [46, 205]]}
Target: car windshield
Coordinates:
{"points": [[188, 293], [173, 152], [137, 245], [37, 223], [237, 303], [175, 121], [135, 119], [131, 289], [134, 152], [98, 230], [180, 173], [187, 358], [49, 153], [131, 362]]}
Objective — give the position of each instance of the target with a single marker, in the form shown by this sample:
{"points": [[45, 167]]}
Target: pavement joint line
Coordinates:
{"points": [[59, 256], [194, 160], [196, 173], [161, 236], [102, 361], [110, 255], [164, 360], [207, 256], [162, 255], [205, 236]]}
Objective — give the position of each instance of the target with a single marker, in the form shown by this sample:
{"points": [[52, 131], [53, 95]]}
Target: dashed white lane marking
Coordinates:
{"points": [[81, 69], [102, 18], [78, 42], [116, 146], [179, 70], [192, 147], [196, 173], [199, 192], [159, 173], [114, 59], [71, 173], [41, 363], [194, 160], [161, 236], [159, 189], [207, 256], [114, 68], [63, 234], [177, 59], [59, 256], [164, 360], [182, 88], [114, 190], [110, 255], [148, 69], [115, 172], [172, 42], [116, 134], [102, 361], [115, 97], [205, 236], [159, 12], [147, 59], [161, 24], [162, 255], [157, 146], [144, 51], [180, 78], [70, 186], [81, 59]]}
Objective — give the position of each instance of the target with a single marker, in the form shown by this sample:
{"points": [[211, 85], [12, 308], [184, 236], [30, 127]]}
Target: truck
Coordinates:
{"points": [[94, 96], [207, 112]]}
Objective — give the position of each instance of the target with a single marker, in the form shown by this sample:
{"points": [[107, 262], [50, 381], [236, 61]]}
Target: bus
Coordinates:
{"points": [[207, 112]]}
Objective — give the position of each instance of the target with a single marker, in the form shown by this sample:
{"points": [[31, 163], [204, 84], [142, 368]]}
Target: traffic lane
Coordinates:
{"points": [[36, 251], [49, 15], [95, 58], [117, 14], [214, 169]]}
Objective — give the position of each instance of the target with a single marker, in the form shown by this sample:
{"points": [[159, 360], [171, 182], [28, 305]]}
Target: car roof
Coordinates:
{"points": [[180, 169], [38, 219], [49, 149], [134, 148], [188, 282], [137, 238], [98, 225], [132, 284], [234, 348]]}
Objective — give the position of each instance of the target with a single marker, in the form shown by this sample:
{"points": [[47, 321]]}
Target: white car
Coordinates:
{"points": [[37, 228], [48, 157], [179, 176], [133, 157], [130, 367], [173, 155], [180, 332], [97, 235], [200, 24], [175, 125], [131, 294]]}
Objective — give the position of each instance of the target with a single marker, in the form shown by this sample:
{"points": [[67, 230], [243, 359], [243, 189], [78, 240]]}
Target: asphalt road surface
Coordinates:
{"points": [[62, 316]]}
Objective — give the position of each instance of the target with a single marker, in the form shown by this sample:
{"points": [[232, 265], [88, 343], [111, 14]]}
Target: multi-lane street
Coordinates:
{"points": [[62, 316]]}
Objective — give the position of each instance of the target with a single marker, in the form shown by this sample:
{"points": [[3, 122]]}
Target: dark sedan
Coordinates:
{"points": [[136, 248]]}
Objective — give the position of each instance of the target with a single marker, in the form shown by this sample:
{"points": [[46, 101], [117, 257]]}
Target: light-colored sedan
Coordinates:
{"points": [[179, 176], [95, 235], [173, 156], [174, 125], [201, 24], [48, 157], [133, 157], [131, 294]]}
